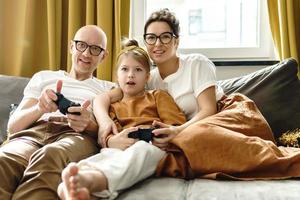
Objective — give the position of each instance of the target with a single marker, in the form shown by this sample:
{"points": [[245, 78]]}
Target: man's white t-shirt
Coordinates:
{"points": [[195, 74], [74, 90]]}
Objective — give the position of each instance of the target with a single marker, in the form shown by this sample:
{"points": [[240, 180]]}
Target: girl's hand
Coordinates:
{"points": [[121, 140], [164, 134]]}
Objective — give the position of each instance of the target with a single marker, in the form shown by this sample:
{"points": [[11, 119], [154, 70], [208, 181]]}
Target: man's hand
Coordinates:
{"points": [[79, 122], [106, 127], [121, 140], [46, 100], [30, 110]]}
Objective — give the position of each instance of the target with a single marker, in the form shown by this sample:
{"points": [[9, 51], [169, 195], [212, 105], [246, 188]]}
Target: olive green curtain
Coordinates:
{"points": [[284, 16], [35, 34]]}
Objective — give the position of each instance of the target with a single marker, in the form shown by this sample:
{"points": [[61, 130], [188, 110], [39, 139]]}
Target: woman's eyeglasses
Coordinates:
{"points": [[164, 38], [82, 46]]}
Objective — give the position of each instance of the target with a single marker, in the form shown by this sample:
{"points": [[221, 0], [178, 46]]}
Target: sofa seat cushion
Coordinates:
{"points": [[204, 189]]}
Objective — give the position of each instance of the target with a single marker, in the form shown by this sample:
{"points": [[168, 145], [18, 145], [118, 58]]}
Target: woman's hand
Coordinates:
{"points": [[106, 127], [121, 140], [164, 134], [101, 105]]}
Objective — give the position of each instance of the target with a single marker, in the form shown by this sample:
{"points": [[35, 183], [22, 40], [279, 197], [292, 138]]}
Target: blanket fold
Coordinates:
{"points": [[235, 143]]}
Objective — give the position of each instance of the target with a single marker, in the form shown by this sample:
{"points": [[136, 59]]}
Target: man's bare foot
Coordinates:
{"points": [[78, 185]]}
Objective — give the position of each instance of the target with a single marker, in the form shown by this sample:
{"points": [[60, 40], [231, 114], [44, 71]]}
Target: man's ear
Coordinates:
{"points": [[71, 46], [105, 54]]}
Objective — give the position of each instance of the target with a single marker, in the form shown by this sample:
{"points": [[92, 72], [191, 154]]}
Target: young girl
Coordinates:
{"points": [[127, 160]]}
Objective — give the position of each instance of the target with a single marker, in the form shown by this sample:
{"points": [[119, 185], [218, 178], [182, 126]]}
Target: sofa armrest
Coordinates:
{"points": [[11, 92], [276, 92]]}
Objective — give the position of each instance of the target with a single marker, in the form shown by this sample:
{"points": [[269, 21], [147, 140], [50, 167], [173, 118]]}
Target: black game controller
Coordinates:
{"points": [[143, 134], [63, 104]]}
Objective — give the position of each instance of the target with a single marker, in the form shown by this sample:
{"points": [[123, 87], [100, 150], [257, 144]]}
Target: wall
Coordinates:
{"points": [[225, 72]]}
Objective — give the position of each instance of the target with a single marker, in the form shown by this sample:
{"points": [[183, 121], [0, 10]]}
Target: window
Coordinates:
{"points": [[220, 29]]}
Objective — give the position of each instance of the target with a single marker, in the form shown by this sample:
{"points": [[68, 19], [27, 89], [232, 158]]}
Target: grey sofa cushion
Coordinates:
{"points": [[11, 92], [276, 92], [203, 189]]}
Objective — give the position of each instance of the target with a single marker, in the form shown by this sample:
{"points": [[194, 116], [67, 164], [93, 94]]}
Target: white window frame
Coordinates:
{"points": [[265, 51]]}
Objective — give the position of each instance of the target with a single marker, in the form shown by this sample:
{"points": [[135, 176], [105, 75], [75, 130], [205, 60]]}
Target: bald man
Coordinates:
{"points": [[42, 140]]}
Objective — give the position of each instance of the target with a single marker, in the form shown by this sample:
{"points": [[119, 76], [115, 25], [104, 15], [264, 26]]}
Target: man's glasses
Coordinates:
{"points": [[82, 46], [164, 38]]}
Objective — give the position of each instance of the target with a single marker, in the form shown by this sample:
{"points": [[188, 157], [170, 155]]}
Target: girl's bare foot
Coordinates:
{"points": [[77, 185], [67, 190]]}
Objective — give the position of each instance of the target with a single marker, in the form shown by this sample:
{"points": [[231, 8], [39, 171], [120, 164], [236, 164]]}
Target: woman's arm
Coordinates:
{"points": [[100, 107], [207, 106], [206, 101]]}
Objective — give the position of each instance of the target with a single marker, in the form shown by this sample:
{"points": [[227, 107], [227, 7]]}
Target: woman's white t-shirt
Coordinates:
{"points": [[195, 74]]}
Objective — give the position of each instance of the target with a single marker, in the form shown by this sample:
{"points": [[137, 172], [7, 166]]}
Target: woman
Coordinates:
{"points": [[233, 140]]}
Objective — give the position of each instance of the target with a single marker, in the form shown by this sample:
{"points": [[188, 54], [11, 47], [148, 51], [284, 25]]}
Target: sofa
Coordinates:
{"points": [[276, 91]]}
